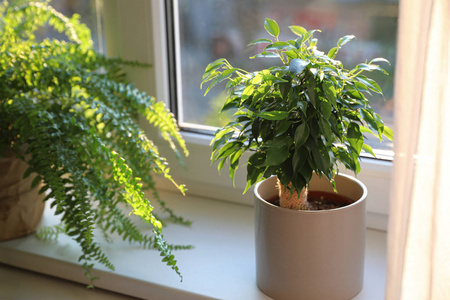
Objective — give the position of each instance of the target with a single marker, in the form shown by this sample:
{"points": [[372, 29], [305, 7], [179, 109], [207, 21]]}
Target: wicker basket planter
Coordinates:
{"points": [[21, 207]]}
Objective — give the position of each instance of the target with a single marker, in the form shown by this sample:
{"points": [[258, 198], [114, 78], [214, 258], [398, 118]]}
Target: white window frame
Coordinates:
{"points": [[138, 32]]}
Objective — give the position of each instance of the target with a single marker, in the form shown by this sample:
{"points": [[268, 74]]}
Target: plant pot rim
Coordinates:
{"points": [[328, 211]]}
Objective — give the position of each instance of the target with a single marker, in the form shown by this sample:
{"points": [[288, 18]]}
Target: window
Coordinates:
{"points": [[205, 30]]}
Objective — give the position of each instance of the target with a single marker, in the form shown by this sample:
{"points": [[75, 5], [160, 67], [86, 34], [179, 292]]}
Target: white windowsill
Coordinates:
{"points": [[221, 265]]}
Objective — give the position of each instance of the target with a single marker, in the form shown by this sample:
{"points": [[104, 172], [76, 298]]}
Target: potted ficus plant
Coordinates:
{"points": [[301, 120], [68, 125]]}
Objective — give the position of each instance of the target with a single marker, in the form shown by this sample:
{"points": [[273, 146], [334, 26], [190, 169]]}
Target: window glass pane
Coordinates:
{"points": [[210, 29], [87, 9]]}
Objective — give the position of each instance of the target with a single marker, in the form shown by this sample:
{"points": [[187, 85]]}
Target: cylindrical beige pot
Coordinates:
{"points": [[311, 254], [21, 207]]}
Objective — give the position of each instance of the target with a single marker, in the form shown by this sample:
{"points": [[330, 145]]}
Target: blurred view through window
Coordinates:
{"points": [[211, 29]]}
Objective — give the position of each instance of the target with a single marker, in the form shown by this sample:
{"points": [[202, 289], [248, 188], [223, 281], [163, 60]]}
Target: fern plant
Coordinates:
{"points": [[75, 115]]}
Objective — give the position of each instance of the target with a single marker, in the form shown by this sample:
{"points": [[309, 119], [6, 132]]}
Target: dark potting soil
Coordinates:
{"points": [[318, 200], [324, 200]]}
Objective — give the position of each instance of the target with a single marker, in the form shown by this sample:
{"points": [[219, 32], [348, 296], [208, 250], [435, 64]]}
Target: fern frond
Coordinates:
{"points": [[33, 15], [51, 232]]}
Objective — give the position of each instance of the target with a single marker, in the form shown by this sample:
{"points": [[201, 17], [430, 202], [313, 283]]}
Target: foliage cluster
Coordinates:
{"points": [[301, 116], [69, 113]]}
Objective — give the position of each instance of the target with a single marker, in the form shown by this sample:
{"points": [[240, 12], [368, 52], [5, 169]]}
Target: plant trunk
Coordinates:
{"points": [[292, 200]]}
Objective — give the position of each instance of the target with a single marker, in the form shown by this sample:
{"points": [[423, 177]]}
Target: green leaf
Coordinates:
{"points": [[367, 116], [260, 41], [380, 59], [299, 182], [214, 65], [298, 30], [350, 161], [312, 91], [256, 159], [306, 171], [248, 91], [368, 149], [370, 83], [355, 137], [344, 40], [325, 109], [303, 105], [309, 34], [256, 127], [275, 156], [258, 77], [299, 158], [389, 133], [294, 44], [356, 94], [221, 164], [254, 172], [380, 125], [330, 92], [230, 104], [234, 163], [321, 158], [332, 52], [272, 27], [297, 65], [271, 79], [361, 87], [364, 129], [285, 87], [368, 67], [224, 75], [291, 54], [227, 150], [283, 126], [301, 135], [273, 115], [265, 54], [222, 134], [277, 46], [325, 129]]}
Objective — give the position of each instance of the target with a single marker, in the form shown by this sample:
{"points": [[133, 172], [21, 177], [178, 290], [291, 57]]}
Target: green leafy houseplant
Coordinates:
{"points": [[69, 113], [300, 117]]}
